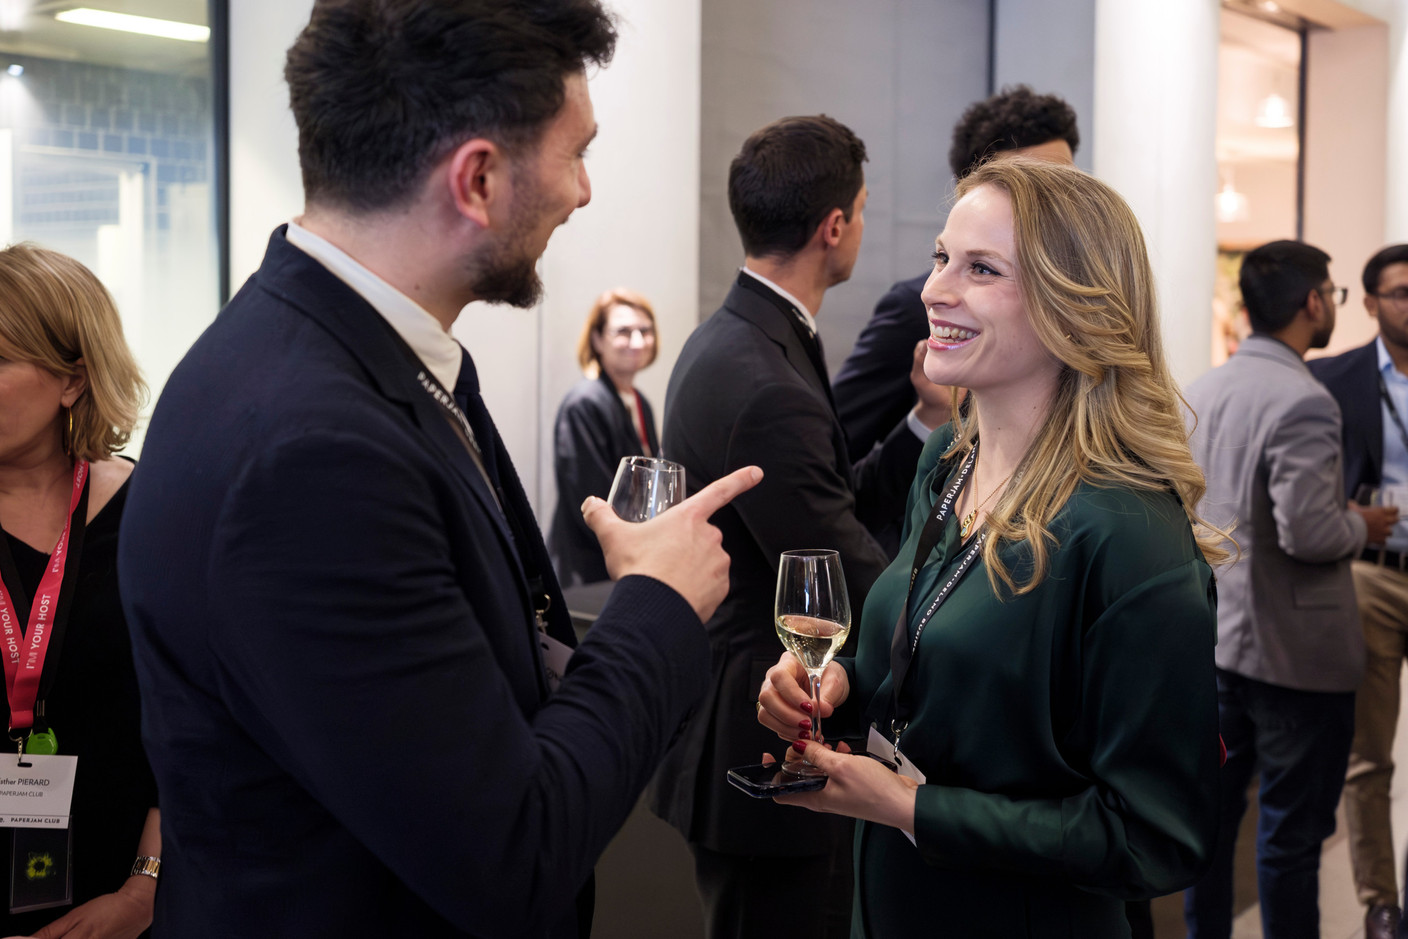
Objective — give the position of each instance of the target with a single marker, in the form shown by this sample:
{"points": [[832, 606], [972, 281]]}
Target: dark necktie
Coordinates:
{"points": [[472, 404]]}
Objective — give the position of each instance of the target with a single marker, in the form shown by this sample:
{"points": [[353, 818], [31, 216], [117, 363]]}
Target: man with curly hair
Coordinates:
{"points": [[872, 388]]}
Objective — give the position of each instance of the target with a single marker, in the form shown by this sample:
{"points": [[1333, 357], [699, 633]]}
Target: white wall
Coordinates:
{"points": [[642, 228], [265, 187], [1050, 45], [1155, 125], [1346, 162]]}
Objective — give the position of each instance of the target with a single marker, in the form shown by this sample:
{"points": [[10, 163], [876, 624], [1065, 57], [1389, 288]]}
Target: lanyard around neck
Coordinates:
{"points": [[1392, 409], [903, 646], [25, 653]]}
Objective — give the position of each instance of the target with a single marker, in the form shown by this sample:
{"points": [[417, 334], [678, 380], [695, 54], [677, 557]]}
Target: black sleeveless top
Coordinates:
{"points": [[94, 713]]}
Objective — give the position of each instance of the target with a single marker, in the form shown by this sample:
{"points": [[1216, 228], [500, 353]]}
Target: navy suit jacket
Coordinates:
{"points": [[344, 700], [1350, 378], [872, 387], [745, 391]]}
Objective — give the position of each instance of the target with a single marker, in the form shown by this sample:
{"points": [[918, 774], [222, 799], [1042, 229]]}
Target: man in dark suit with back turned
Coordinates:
{"points": [[872, 389], [750, 386], [359, 693], [1371, 386]]}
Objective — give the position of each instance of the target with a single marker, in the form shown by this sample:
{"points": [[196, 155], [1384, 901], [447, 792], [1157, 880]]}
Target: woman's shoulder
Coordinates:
{"points": [[586, 394], [1146, 528], [107, 480]]}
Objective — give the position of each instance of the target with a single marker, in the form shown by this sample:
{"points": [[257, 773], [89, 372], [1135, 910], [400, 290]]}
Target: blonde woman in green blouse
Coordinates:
{"points": [[1039, 659]]}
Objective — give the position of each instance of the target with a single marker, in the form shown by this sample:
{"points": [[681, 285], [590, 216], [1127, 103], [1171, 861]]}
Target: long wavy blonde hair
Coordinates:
{"points": [[1116, 417]]}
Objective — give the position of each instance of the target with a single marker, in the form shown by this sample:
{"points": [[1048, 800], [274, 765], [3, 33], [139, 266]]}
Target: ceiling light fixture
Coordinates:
{"points": [[15, 70], [1232, 205], [1274, 111], [143, 25]]}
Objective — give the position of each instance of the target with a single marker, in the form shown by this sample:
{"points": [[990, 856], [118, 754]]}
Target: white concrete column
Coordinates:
{"points": [[1154, 133]]}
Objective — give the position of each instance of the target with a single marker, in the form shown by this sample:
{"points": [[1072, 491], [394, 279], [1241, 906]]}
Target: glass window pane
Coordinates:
{"points": [[107, 154]]}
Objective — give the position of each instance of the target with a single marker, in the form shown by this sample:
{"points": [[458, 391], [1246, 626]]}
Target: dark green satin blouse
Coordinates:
{"points": [[1068, 736]]}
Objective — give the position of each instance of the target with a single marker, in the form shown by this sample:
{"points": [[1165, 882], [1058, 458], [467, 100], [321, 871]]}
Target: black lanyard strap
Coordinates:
{"points": [[903, 646], [1392, 409]]}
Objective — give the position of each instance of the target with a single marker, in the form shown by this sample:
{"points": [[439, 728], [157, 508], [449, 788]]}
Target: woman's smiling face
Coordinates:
{"points": [[980, 336]]}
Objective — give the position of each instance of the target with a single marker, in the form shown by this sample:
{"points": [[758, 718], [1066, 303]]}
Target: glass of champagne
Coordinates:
{"points": [[645, 486], [813, 618]]}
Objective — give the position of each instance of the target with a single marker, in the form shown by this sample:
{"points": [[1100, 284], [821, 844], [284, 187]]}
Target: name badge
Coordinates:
{"points": [[36, 792], [556, 655], [878, 746]]}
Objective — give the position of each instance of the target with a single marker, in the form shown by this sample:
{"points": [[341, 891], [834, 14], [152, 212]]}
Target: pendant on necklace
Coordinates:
{"points": [[967, 524]]}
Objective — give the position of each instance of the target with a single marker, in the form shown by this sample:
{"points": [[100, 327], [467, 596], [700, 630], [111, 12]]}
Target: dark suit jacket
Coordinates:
{"points": [[592, 432], [872, 388], [1350, 378], [343, 698], [745, 391]]}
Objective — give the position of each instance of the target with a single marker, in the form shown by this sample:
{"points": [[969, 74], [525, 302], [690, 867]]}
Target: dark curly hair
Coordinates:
{"points": [[1016, 117], [382, 90]]}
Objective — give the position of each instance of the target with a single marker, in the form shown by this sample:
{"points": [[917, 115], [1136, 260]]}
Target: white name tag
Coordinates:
{"points": [[556, 655], [877, 745], [37, 795]]}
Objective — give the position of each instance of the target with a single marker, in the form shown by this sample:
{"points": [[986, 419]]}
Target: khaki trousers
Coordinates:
{"points": [[1383, 611]]}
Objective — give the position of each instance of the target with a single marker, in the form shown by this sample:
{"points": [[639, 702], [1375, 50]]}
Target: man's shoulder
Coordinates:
{"points": [[1356, 362]]}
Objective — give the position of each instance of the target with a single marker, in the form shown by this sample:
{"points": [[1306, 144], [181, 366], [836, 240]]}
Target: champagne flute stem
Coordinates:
{"points": [[816, 704]]}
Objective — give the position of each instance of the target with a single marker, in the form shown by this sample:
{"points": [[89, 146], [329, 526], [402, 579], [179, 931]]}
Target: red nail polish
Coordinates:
{"points": [[799, 745], [804, 735], [805, 724], [807, 706]]}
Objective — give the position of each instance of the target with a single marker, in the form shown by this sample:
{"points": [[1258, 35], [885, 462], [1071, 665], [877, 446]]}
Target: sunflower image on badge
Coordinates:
{"points": [[40, 873], [40, 865]]}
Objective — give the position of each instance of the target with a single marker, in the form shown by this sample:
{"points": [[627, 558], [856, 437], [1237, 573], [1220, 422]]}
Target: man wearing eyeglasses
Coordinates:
{"points": [[1290, 651], [1371, 385]]}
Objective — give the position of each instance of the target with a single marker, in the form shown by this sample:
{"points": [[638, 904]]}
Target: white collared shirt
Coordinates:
{"points": [[435, 347], [1394, 472], [808, 317]]}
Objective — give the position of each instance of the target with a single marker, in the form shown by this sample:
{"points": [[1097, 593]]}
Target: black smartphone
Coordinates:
{"points": [[765, 780]]}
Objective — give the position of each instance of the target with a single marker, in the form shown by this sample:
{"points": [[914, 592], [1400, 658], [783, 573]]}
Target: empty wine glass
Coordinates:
{"points": [[645, 486]]}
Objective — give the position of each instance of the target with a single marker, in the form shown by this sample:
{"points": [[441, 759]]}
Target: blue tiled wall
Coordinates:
{"points": [[105, 114]]}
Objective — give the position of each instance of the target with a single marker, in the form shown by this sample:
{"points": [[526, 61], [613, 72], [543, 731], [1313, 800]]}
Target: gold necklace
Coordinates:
{"points": [[967, 525]]}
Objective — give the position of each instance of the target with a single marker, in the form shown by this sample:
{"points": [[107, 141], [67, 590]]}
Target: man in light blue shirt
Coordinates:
{"points": [[1371, 385]]}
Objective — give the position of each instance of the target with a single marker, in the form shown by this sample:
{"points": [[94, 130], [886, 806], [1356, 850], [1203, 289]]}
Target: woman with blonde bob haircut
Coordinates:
{"points": [[602, 419], [1038, 661], [69, 397]]}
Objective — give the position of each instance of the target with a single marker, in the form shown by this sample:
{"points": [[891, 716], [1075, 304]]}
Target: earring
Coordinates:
{"points": [[68, 438]]}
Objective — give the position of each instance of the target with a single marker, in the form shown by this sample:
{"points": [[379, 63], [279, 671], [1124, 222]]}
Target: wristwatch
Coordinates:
{"points": [[146, 867]]}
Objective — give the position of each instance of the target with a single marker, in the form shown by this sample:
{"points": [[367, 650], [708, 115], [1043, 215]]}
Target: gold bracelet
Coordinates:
{"points": [[146, 867]]}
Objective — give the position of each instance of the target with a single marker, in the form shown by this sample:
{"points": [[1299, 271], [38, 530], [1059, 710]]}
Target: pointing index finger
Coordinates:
{"points": [[721, 492]]}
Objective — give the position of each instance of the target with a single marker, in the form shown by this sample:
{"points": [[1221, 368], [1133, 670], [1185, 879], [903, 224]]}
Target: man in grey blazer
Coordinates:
{"points": [[1290, 652]]}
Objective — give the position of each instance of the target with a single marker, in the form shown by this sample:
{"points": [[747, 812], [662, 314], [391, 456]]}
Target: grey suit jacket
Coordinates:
{"points": [[1267, 436]]}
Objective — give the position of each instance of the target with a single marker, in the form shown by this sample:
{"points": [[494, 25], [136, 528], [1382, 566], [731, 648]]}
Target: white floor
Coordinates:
{"points": [[1341, 916]]}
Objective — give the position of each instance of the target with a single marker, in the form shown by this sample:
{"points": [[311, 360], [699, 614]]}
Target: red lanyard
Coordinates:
{"points": [[24, 654]]}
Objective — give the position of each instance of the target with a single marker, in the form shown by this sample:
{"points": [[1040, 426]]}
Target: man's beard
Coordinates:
{"points": [[503, 270], [505, 274]]}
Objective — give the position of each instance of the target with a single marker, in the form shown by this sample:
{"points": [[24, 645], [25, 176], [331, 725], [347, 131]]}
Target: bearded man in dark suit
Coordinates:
{"points": [[751, 386], [359, 692]]}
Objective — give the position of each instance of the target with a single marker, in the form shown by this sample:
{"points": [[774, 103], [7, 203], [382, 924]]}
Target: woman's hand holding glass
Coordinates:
{"points": [[785, 699]]}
